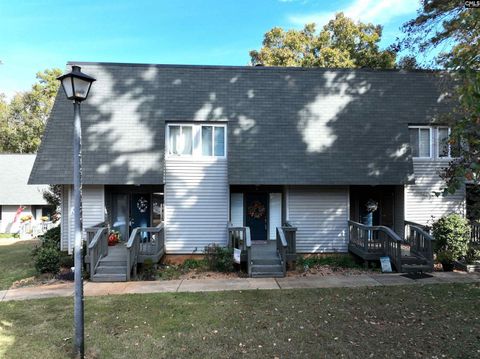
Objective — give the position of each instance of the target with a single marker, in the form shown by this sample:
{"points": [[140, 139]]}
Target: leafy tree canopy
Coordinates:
{"points": [[22, 121], [342, 43], [450, 29]]}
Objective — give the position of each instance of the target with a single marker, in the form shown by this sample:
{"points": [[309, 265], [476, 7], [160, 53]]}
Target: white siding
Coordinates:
{"points": [[93, 205], [64, 222], [196, 204], [93, 211], [236, 209], [320, 215], [275, 214], [421, 203]]}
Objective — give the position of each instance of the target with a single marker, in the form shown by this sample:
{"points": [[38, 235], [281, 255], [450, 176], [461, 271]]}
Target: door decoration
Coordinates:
{"points": [[256, 210], [142, 205]]}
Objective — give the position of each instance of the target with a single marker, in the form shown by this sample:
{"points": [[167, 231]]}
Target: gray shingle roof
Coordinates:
{"points": [[14, 172], [285, 125]]}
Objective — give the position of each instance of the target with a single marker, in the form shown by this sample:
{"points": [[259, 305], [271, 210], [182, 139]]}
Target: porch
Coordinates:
{"points": [[413, 253], [119, 263]]}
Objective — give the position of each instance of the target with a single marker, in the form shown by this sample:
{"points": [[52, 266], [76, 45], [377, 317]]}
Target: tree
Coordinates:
{"points": [[341, 43], [449, 26], [23, 120], [53, 197]]}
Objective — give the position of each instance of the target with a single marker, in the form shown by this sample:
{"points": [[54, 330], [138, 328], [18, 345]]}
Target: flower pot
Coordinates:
{"points": [[448, 266]]}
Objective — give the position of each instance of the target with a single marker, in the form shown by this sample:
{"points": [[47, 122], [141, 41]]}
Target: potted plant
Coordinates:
{"points": [[452, 235], [113, 238], [26, 218], [447, 259]]}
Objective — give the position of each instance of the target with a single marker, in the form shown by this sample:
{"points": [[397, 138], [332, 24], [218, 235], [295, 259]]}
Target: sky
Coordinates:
{"points": [[40, 34]]}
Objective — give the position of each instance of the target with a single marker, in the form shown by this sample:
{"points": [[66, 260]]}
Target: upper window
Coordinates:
{"points": [[420, 141], [213, 141], [180, 140], [196, 140], [443, 135]]}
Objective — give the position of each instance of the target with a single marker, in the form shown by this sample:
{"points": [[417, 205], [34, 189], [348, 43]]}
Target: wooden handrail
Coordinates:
{"points": [[377, 239], [97, 246], [475, 233], [282, 248], [152, 245]]}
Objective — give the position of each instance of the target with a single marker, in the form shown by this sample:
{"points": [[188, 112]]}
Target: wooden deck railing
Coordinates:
{"points": [[239, 238], [282, 246], [97, 246], [371, 242], [420, 240], [290, 233], [475, 233], [144, 242]]}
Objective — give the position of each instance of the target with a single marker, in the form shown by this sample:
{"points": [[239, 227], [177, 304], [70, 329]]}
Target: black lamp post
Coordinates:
{"points": [[77, 86]]}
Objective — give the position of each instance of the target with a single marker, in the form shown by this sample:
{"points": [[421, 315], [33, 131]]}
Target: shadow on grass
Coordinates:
{"points": [[412, 321]]}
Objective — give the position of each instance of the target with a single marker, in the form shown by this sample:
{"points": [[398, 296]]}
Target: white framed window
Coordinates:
{"points": [[196, 140], [443, 147], [213, 140], [421, 141], [180, 140]]}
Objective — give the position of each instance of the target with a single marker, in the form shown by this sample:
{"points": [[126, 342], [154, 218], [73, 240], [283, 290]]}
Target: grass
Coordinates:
{"points": [[16, 262], [413, 321], [9, 235]]}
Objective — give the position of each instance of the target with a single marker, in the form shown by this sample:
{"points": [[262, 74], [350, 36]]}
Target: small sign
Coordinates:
{"points": [[472, 4], [236, 255], [386, 265]]}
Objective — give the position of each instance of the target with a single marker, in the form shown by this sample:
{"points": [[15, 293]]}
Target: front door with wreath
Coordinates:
{"points": [[256, 206]]}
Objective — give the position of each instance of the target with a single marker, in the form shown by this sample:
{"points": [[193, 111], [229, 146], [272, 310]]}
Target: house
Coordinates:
{"points": [[197, 148], [20, 201]]}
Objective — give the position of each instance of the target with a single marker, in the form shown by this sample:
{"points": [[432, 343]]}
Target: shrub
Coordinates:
{"points": [[193, 264], [149, 270], [51, 238], [66, 261], [218, 258], [47, 260], [473, 254], [452, 234]]}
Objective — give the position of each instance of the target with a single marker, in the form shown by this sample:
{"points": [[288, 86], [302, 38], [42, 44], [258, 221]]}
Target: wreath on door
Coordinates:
{"points": [[142, 205], [256, 210]]}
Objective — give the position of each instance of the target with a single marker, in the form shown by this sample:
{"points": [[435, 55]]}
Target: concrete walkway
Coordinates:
{"points": [[212, 285]]}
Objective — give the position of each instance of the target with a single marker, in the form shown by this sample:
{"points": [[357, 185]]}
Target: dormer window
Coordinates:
{"points": [[180, 140], [421, 141], [430, 142], [213, 141], [196, 140]]}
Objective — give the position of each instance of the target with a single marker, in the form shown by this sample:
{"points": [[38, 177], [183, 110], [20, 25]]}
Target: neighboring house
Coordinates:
{"points": [[198, 147], [17, 198]]}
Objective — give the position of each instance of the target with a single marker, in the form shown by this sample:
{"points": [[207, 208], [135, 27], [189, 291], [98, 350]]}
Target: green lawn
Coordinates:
{"points": [[429, 321], [16, 262]]}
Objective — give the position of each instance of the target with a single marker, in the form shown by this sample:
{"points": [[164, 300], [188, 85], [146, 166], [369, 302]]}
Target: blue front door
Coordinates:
{"points": [[140, 209], [256, 205]]}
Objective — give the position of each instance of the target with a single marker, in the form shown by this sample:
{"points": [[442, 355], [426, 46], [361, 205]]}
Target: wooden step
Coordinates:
{"points": [[111, 269], [109, 277], [267, 268]]}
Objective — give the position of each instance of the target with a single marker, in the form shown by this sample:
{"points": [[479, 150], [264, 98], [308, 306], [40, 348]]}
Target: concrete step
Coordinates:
{"points": [[409, 268], [111, 269], [266, 261], [267, 268], [109, 277], [109, 262], [267, 275]]}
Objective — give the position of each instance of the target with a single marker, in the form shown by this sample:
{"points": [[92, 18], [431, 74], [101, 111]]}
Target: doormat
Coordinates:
{"points": [[416, 276]]}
